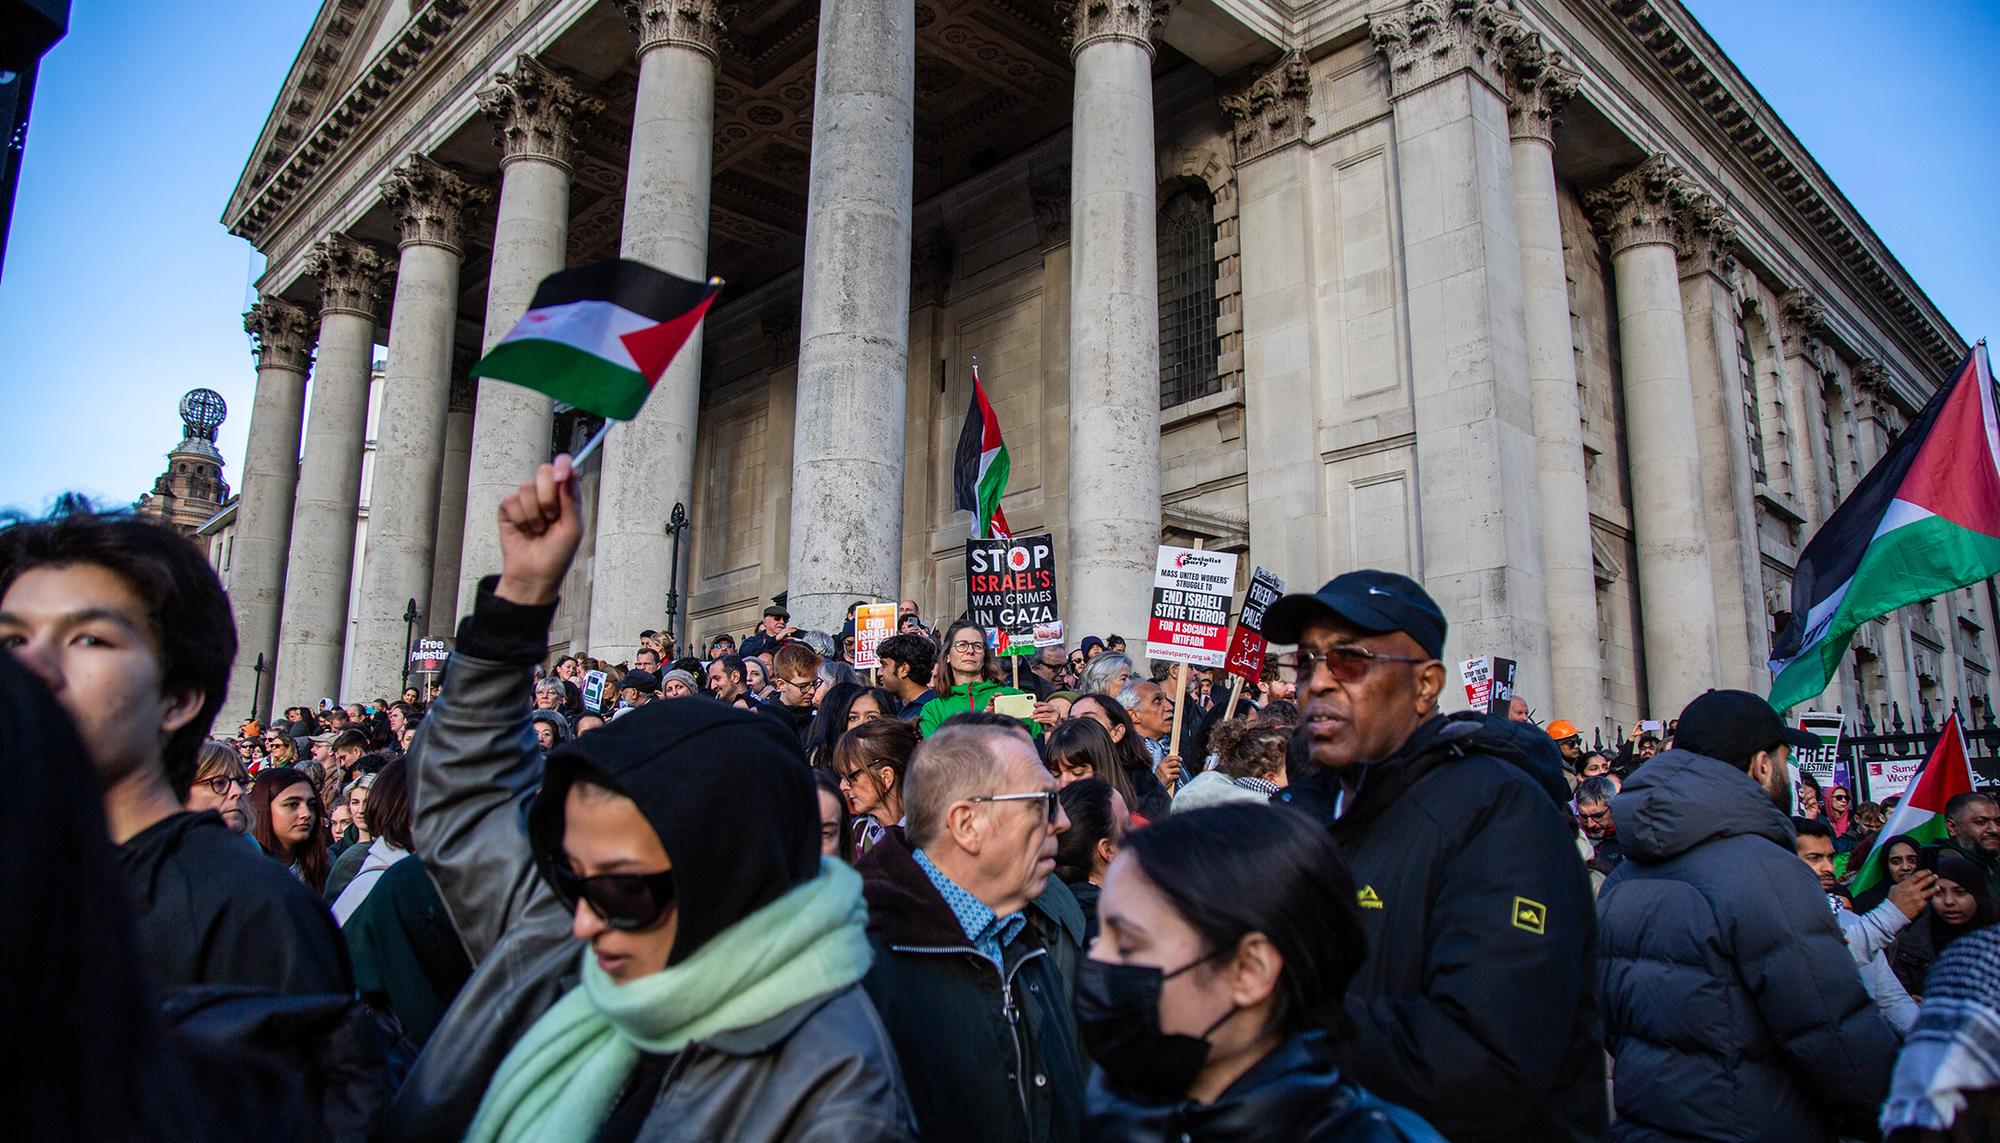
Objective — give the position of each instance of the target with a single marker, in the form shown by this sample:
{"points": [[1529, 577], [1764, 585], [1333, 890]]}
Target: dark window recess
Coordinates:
{"points": [[1187, 297]]}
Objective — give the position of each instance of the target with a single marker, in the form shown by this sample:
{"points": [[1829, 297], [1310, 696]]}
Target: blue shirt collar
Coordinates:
{"points": [[987, 931]]}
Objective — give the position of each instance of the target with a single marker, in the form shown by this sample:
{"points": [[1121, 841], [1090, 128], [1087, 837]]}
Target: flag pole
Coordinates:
{"points": [[590, 446]]}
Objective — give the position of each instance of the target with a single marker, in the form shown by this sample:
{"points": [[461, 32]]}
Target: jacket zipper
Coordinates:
{"points": [[1007, 1008]]}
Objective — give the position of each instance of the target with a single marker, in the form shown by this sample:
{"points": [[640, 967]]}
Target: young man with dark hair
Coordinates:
{"points": [[725, 681], [907, 661], [125, 623]]}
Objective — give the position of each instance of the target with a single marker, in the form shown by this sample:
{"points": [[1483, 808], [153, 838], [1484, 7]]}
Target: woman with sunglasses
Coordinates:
{"points": [[967, 678], [220, 781], [663, 953], [1228, 937], [285, 820]]}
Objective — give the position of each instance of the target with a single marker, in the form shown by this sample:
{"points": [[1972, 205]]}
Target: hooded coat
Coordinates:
{"points": [[1731, 1003], [1476, 1005], [735, 808]]}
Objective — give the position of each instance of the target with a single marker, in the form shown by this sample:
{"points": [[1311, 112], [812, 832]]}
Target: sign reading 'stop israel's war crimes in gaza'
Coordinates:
{"points": [[1010, 590]]}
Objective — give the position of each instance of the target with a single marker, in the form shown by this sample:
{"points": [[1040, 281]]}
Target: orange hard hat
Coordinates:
{"points": [[1563, 728]]}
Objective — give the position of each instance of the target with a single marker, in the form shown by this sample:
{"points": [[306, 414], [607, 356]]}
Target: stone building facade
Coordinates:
{"points": [[1536, 301]]}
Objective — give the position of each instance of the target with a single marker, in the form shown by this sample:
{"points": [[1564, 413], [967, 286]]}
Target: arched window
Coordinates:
{"points": [[1187, 296]]}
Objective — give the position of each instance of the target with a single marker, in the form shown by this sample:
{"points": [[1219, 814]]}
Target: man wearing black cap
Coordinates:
{"points": [[1475, 1005], [1730, 1000]]}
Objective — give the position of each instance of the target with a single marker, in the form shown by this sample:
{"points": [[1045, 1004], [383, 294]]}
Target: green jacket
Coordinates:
{"points": [[960, 700]]}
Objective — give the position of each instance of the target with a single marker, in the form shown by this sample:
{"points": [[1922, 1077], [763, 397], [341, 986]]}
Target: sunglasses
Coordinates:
{"points": [[627, 902], [1347, 664], [1047, 796]]}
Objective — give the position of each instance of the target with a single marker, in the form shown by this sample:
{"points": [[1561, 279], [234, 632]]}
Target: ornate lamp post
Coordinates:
{"points": [[677, 522], [409, 634]]}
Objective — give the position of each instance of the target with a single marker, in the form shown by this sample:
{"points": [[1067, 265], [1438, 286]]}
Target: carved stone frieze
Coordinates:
{"points": [[1540, 83], [281, 334], [1428, 40], [1271, 110], [353, 276], [702, 25], [1050, 193], [430, 202], [1638, 207], [1086, 22], [536, 112]]}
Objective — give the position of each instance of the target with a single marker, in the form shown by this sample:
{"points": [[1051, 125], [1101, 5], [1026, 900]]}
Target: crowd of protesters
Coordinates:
{"points": [[757, 893]]}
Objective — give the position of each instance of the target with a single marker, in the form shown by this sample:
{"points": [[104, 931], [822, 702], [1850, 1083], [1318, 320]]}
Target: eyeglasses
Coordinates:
{"points": [[961, 645], [627, 902], [1346, 663], [1594, 816], [848, 778], [219, 785], [1048, 796]]}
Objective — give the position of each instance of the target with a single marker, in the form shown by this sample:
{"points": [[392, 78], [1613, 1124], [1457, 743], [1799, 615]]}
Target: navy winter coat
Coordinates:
{"points": [[1731, 1005]]}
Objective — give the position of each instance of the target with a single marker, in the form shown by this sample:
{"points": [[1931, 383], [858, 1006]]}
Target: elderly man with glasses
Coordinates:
{"points": [[1480, 969]]}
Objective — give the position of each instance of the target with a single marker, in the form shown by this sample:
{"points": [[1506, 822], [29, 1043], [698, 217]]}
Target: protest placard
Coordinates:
{"points": [[1010, 589], [1825, 764], [1478, 676], [1191, 590], [1247, 645], [593, 690], [873, 622], [428, 656], [1502, 691]]}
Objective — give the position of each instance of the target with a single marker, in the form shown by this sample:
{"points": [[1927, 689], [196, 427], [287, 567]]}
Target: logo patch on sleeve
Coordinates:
{"points": [[1366, 897], [1530, 915]]}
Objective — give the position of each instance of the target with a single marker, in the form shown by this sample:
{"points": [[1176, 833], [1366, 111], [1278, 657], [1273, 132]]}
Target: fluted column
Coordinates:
{"points": [[854, 314], [649, 463], [1114, 332], [283, 336], [1475, 440], [534, 112], [318, 568], [430, 203], [1539, 84], [1676, 591], [1706, 237]]}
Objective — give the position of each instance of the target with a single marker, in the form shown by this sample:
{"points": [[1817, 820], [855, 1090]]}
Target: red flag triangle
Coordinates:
{"points": [[1946, 773]]}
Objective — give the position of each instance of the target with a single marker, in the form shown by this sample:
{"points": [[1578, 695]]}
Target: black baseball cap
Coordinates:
{"points": [[1730, 726], [1377, 602]]}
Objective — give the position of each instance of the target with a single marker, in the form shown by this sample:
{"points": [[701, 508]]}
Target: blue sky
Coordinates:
{"points": [[122, 291]]}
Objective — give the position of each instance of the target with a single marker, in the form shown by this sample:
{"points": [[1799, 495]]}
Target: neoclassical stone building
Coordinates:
{"points": [[1536, 301]]}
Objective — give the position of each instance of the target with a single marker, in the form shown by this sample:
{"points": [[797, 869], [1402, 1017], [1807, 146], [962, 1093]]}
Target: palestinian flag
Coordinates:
{"points": [[1925, 520], [599, 336], [980, 473], [1947, 772]]}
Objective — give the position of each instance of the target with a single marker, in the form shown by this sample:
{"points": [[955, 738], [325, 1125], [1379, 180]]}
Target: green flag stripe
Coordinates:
{"points": [[568, 374], [1916, 561], [1928, 832], [992, 485]]}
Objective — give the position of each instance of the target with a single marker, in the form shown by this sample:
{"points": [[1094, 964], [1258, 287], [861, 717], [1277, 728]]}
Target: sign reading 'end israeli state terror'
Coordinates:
{"points": [[1191, 590], [1010, 588]]}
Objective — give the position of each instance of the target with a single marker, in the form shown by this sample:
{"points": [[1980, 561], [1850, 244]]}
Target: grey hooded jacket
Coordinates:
{"points": [[822, 1071], [1730, 1002]]}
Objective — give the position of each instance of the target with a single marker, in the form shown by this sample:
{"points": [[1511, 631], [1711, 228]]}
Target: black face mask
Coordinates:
{"points": [[1118, 1015]]}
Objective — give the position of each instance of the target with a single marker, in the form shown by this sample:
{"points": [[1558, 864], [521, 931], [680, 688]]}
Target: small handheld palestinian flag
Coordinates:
{"points": [[1924, 521], [979, 474], [599, 336], [1946, 774]]}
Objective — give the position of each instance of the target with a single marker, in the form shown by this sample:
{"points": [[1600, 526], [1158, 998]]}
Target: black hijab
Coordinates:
{"points": [[727, 791]]}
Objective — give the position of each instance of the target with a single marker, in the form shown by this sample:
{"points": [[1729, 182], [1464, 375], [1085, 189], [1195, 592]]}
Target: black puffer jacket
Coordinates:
{"points": [[1476, 1005], [1730, 1001]]}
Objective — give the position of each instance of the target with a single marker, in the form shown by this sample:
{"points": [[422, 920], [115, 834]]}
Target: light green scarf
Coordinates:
{"points": [[558, 1082]]}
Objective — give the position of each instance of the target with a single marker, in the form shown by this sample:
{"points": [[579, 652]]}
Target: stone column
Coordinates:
{"points": [[1802, 329], [1706, 236], [854, 307], [1676, 591], [534, 113], [1475, 442], [283, 336], [454, 471], [649, 462], [313, 627], [1114, 333], [1539, 84], [430, 203]]}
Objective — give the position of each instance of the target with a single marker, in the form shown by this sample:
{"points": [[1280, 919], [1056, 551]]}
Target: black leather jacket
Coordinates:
{"points": [[824, 1070]]}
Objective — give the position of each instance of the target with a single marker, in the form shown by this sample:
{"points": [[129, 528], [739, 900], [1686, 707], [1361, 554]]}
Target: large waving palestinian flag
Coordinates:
{"points": [[1946, 774], [979, 474], [1925, 520], [600, 335]]}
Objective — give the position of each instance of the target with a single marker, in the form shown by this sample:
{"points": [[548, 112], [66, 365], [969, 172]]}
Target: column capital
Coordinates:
{"points": [[1872, 381], [1637, 208], [281, 334], [351, 275], [1429, 40], [1803, 327], [700, 25], [1050, 194], [1086, 22], [1271, 110], [1540, 83], [1705, 235], [430, 201], [535, 112]]}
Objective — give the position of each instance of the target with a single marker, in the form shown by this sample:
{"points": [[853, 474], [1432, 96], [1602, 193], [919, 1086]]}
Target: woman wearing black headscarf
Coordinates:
{"points": [[1961, 905]]}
